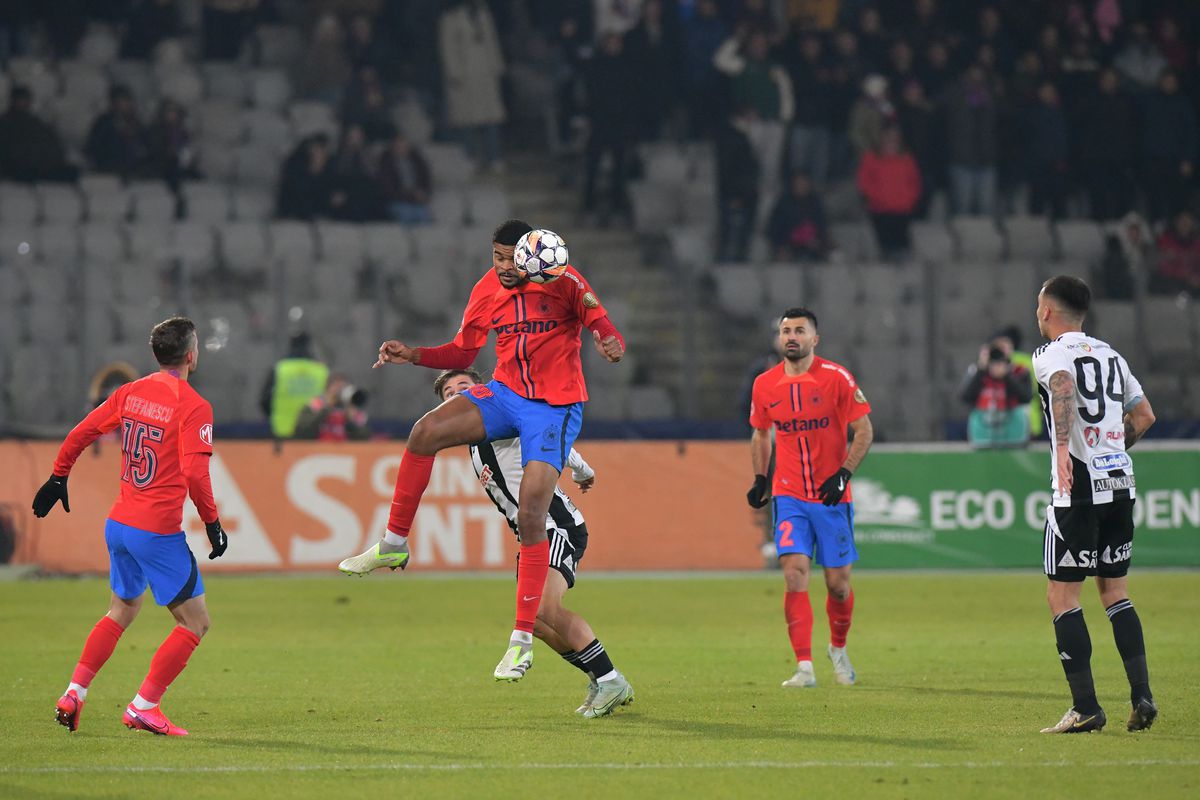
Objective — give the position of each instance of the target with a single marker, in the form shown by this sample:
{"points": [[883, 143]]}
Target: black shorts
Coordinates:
{"points": [[567, 545], [1088, 540]]}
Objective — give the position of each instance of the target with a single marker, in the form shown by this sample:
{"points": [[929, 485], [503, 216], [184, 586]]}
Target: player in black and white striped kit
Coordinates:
{"points": [[499, 467], [1095, 411]]}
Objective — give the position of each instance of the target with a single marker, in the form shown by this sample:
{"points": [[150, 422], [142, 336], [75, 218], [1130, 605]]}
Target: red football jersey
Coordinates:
{"points": [[537, 329], [810, 413], [163, 420]]}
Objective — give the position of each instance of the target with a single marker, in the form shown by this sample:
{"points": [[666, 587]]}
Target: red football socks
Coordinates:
{"points": [[798, 611], [99, 646], [840, 612], [411, 480], [169, 660], [532, 567]]}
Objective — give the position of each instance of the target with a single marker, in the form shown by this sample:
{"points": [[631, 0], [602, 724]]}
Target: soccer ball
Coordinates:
{"points": [[541, 255]]}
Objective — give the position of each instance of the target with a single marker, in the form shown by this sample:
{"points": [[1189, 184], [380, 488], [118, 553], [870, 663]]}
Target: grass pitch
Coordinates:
{"points": [[309, 687]]}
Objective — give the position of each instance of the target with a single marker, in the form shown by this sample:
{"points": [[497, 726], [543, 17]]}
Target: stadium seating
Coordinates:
{"points": [[1082, 239], [206, 201], [60, 203], [978, 238], [1029, 238], [225, 81], [107, 199], [932, 241], [18, 204]]}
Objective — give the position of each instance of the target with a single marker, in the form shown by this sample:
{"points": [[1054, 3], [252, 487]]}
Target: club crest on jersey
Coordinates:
{"points": [[1091, 435], [206, 434], [859, 397], [1110, 461], [481, 391], [590, 301]]}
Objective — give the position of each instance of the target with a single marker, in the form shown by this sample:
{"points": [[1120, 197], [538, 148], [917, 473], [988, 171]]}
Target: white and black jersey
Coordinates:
{"points": [[1104, 390], [498, 467]]}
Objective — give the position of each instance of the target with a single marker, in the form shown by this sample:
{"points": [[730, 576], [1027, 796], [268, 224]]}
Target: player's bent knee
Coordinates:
{"points": [[536, 533], [424, 439]]}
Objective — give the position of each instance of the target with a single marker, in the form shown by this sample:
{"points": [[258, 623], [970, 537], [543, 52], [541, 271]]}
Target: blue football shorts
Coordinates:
{"points": [[547, 432], [138, 558], [823, 533]]}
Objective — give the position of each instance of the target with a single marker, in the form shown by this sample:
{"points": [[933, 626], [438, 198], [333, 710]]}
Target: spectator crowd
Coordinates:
{"points": [[1063, 108]]}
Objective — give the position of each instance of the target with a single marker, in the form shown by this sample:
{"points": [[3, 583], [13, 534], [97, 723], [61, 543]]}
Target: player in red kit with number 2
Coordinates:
{"points": [[166, 441], [810, 402], [537, 395]]}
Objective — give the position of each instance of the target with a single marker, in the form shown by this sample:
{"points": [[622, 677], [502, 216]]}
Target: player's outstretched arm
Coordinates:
{"points": [[102, 420], [394, 351], [447, 356], [1138, 420]]}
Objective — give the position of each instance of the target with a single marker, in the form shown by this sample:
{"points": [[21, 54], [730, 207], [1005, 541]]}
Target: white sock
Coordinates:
{"points": [[608, 676], [521, 637], [142, 704], [80, 691], [395, 539]]}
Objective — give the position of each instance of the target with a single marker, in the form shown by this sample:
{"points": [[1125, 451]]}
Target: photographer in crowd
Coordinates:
{"points": [[998, 393], [337, 415]]}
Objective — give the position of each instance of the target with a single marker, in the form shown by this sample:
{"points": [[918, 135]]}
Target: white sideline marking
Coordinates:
{"points": [[610, 766]]}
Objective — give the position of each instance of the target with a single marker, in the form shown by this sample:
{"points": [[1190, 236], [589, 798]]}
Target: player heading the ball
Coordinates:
{"points": [[537, 395]]}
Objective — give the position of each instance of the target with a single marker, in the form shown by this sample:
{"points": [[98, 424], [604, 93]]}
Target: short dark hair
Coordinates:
{"points": [[799, 311], [1070, 292], [171, 340], [445, 375], [509, 232]]}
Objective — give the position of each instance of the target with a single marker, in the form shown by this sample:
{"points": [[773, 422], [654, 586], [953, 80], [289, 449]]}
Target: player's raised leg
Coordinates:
{"points": [[1075, 653], [143, 712], [797, 608], [455, 422], [96, 651], [839, 607], [1127, 631]]}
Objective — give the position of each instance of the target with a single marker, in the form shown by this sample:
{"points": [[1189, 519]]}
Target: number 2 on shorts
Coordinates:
{"points": [[785, 534]]}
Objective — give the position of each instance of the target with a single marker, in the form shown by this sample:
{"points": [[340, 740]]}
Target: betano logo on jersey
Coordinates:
{"points": [[801, 425], [527, 326]]}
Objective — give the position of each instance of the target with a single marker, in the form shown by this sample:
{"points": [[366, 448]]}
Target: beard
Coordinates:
{"points": [[797, 353]]}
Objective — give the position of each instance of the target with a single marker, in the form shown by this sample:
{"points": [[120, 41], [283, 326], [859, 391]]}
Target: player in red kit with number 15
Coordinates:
{"points": [[810, 402], [166, 442]]}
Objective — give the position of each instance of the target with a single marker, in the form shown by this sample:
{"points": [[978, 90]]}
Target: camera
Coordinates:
{"points": [[353, 396], [997, 355]]}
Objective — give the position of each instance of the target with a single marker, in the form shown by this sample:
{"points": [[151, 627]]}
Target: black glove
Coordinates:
{"points": [[831, 491], [758, 496], [51, 492], [217, 538]]}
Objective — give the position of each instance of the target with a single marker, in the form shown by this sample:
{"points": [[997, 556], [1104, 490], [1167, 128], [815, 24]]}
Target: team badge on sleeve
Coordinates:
{"points": [[590, 300], [859, 397], [206, 434]]}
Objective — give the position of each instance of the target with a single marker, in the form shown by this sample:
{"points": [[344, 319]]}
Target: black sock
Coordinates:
{"points": [[595, 660], [1075, 652], [1127, 630], [572, 658]]}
